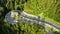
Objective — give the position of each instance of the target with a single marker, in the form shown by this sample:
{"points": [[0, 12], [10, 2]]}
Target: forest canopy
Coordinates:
{"points": [[50, 8]]}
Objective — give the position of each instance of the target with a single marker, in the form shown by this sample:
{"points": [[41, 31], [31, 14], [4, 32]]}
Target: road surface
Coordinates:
{"points": [[28, 18]]}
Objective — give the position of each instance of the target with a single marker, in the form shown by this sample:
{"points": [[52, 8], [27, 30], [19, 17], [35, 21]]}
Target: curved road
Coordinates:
{"points": [[33, 18], [24, 14]]}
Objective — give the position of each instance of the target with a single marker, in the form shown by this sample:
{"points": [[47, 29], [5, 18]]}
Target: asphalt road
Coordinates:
{"points": [[30, 18], [24, 14]]}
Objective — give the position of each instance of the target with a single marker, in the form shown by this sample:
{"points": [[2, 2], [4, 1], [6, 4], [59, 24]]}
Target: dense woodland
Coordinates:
{"points": [[50, 8]]}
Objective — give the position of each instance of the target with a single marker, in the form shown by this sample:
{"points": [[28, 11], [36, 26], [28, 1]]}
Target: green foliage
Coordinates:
{"points": [[31, 29], [50, 8], [1, 9], [5, 7], [19, 28]]}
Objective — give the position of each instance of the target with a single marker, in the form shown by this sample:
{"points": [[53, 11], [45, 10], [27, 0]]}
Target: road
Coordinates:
{"points": [[24, 14], [28, 18]]}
